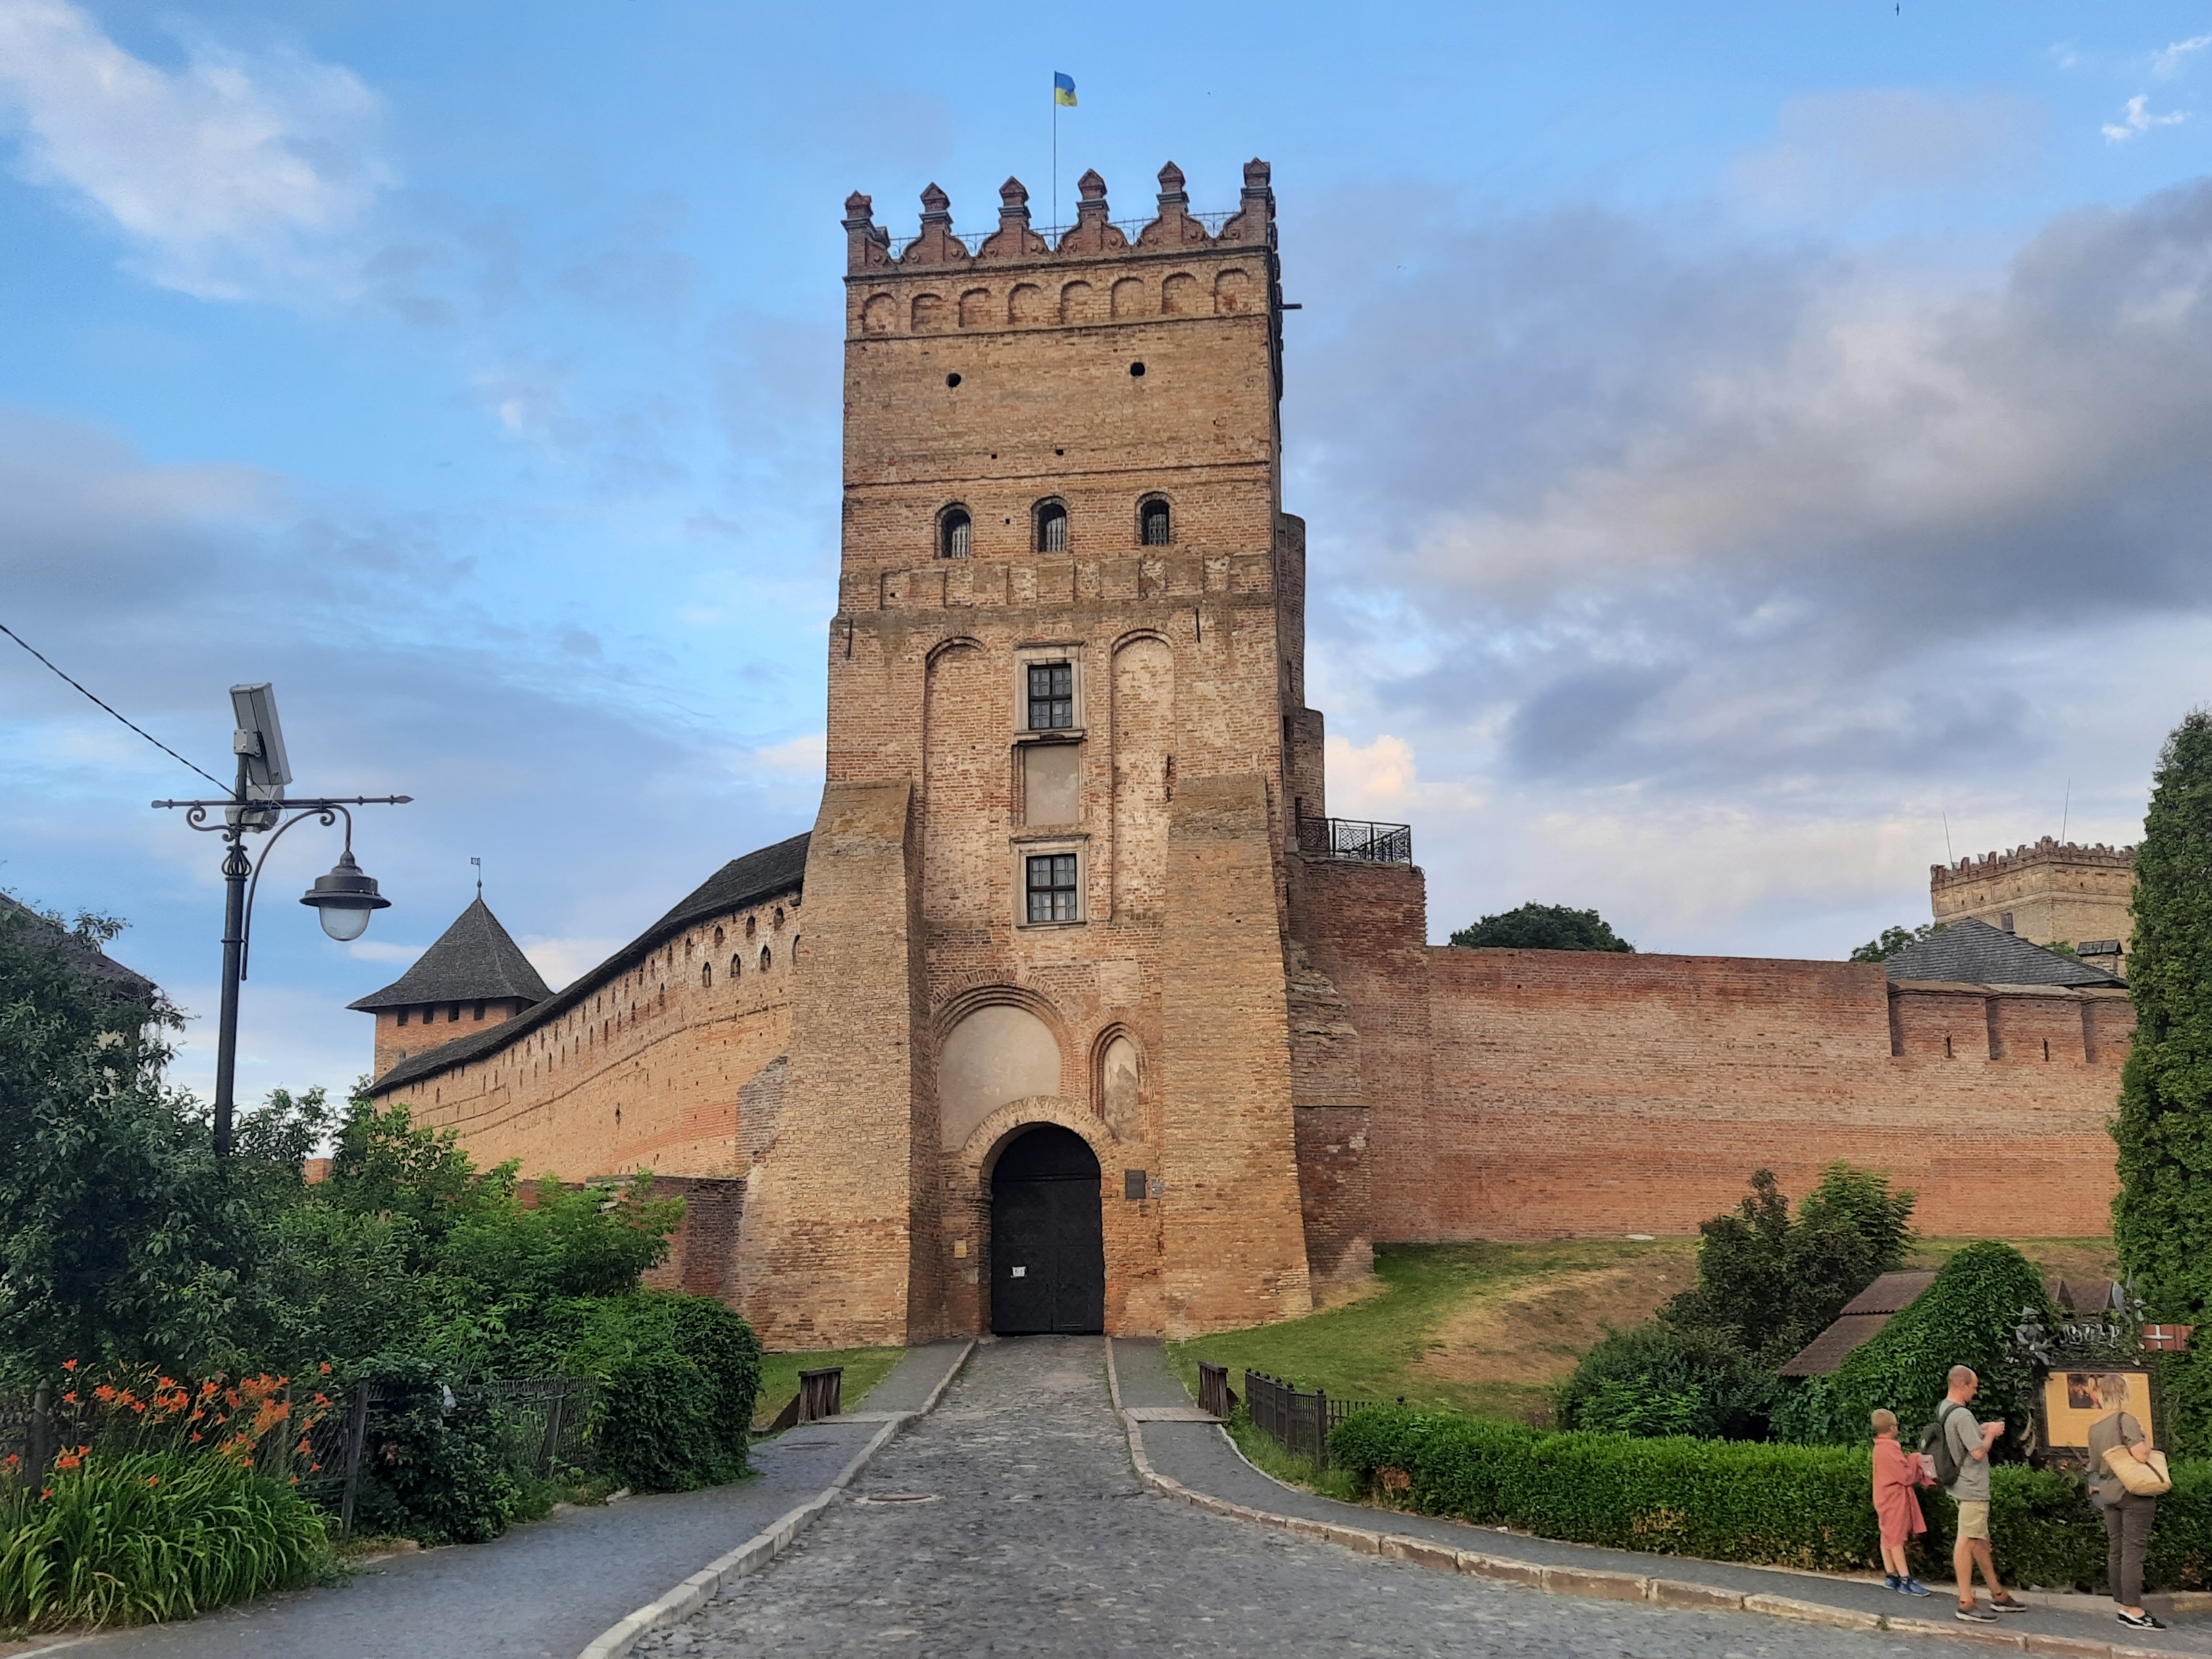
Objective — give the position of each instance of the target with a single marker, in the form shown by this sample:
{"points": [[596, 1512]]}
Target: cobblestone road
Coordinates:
{"points": [[1032, 1536]]}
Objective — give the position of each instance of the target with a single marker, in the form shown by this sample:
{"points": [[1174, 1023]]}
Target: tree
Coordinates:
{"points": [[2162, 1218], [1543, 928], [1887, 943]]}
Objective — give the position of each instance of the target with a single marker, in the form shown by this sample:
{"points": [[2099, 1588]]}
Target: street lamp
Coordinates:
{"points": [[343, 900]]}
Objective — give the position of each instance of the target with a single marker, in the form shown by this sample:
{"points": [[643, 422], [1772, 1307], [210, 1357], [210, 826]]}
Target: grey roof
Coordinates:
{"points": [[1891, 1293], [1862, 1318], [1972, 952], [91, 959], [756, 876], [474, 960]]}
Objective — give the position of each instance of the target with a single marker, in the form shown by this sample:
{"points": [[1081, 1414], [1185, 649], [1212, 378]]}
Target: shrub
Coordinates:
{"points": [[682, 1375], [1795, 1506], [433, 1459], [1543, 928], [1656, 1379], [150, 1535], [1966, 1318]]}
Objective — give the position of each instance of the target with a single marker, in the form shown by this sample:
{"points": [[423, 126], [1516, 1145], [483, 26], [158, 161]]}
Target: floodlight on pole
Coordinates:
{"points": [[343, 900]]}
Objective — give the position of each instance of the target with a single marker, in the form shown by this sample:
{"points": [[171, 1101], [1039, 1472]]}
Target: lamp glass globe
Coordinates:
{"points": [[343, 923]]}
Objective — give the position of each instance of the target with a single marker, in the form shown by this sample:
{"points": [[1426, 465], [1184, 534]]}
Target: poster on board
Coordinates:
{"points": [[2073, 1399]]}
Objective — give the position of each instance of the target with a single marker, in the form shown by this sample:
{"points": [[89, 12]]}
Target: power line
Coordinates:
{"points": [[133, 725]]}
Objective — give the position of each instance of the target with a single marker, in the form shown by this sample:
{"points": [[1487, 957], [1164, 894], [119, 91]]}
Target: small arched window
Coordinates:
{"points": [[717, 936], [737, 966], [1158, 527], [706, 974], [1051, 528], [751, 923], [952, 532], [764, 959]]}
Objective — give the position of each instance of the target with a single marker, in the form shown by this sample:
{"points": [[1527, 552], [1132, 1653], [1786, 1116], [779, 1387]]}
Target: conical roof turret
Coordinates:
{"points": [[474, 960]]}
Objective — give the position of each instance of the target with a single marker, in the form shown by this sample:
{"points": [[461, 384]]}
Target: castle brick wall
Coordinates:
{"points": [[1585, 1093], [646, 1073]]}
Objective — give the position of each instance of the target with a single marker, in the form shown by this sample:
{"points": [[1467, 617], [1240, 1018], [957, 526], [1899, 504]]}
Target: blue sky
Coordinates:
{"points": [[1739, 442]]}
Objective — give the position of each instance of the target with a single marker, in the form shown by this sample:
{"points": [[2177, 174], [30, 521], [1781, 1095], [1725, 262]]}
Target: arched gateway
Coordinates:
{"points": [[1048, 1238]]}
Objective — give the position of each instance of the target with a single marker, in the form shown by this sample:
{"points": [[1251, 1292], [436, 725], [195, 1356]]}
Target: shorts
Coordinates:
{"points": [[1973, 1520]]}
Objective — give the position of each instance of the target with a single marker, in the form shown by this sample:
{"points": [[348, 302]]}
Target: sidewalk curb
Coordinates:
{"points": [[763, 1547], [1599, 1583]]}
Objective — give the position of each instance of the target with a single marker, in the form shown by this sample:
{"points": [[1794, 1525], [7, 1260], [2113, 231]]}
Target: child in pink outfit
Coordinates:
{"points": [[1896, 1473]]}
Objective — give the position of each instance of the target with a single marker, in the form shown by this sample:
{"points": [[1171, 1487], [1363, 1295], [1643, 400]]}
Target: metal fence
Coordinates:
{"points": [[1300, 1421], [1357, 840], [543, 1423]]}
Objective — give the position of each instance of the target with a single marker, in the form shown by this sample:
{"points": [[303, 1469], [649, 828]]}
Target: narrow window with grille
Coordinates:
{"points": [[1052, 887], [1052, 696], [1157, 525], [1052, 528], [952, 532]]}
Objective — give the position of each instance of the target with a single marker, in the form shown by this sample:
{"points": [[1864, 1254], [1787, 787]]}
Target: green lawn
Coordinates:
{"points": [[864, 1369], [1491, 1327]]}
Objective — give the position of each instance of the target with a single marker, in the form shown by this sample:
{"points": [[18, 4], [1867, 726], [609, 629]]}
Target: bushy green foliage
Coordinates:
{"points": [[682, 1375], [2162, 1218], [126, 1539], [1543, 928], [1966, 1318], [1767, 1284], [1794, 1506], [1771, 1282], [1888, 942], [434, 1461], [1664, 1380]]}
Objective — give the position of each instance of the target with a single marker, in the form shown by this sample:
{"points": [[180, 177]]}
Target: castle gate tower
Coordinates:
{"points": [[1048, 888]]}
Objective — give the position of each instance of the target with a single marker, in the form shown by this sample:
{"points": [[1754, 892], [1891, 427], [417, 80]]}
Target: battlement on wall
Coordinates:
{"points": [[1096, 233], [2048, 850]]}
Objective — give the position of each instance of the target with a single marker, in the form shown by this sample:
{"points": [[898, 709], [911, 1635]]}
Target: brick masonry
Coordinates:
{"points": [[1273, 1067]]}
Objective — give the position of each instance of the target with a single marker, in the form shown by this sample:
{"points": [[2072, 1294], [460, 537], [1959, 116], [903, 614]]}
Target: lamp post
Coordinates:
{"points": [[344, 899]]}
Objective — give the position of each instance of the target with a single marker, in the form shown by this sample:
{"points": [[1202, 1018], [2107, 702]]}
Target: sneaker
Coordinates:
{"points": [[1913, 1587], [2148, 1621], [2006, 1604], [1889, 1581], [1976, 1616]]}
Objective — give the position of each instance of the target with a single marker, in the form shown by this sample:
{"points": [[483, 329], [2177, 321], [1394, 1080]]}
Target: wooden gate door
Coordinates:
{"points": [[1047, 1237]]}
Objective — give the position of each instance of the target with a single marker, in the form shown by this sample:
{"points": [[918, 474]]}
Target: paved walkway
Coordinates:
{"points": [[544, 1590], [1011, 1520], [1200, 1457]]}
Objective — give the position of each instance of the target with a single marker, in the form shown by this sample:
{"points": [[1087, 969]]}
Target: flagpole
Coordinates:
{"points": [[1055, 158]]}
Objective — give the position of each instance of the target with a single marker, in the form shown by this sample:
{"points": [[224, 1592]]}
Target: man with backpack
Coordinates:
{"points": [[1959, 1447]]}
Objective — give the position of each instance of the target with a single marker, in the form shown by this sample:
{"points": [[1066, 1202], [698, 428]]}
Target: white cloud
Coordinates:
{"points": [[2175, 59], [2139, 120], [806, 757], [236, 177]]}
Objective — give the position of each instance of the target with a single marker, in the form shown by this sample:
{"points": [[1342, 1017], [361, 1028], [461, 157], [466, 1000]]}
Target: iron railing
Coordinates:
{"points": [[545, 1423], [1214, 1395], [1357, 840], [1133, 229], [1301, 1422]]}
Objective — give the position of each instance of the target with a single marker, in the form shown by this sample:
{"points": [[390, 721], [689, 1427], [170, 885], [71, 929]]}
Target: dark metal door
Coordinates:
{"points": [[1047, 1237]]}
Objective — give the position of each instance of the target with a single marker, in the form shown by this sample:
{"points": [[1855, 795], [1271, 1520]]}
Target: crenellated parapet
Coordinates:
{"points": [[2048, 851], [1096, 233]]}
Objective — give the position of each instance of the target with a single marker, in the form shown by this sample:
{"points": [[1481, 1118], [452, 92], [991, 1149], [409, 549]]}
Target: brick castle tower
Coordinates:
{"points": [[1067, 746]]}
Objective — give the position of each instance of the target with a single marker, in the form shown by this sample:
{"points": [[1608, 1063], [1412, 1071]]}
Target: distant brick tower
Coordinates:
{"points": [[1050, 883], [474, 976]]}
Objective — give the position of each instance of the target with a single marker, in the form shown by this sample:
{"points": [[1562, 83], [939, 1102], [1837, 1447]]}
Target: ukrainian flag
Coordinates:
{"points": [[1063, 88]]}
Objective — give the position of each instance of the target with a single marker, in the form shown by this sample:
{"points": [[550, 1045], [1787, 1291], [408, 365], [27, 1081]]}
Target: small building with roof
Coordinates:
{"points": [[474, 976], [129, 984]]}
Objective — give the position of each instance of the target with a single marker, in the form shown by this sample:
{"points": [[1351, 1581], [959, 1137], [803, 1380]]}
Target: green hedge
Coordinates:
{"points": [[1720, 1500]]}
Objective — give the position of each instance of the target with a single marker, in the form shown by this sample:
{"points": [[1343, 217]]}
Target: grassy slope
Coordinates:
{"points": [[1491, 1328], [864, 1369]]}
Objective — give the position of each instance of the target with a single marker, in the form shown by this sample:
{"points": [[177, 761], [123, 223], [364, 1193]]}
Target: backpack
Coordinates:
{"points": [[1936, 1446]]}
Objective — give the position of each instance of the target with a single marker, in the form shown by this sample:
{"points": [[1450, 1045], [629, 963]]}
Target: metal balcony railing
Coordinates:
{"points": [[1357, 840]]}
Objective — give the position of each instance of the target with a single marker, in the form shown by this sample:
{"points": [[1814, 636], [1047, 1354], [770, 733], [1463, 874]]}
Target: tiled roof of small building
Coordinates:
{"points": [[474, 960], [741, 882], [91, 959], [1824, 1355], [1891, 1293], [1972, 952]]}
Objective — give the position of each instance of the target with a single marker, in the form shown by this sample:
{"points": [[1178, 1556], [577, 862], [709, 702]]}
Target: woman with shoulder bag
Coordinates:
{"points": [[2126, 1475]]}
